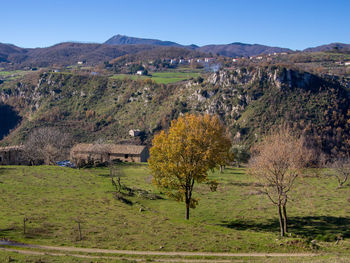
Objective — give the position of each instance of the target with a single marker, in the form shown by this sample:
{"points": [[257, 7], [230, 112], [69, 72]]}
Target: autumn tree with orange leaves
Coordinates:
{"points": [[183, 155]]}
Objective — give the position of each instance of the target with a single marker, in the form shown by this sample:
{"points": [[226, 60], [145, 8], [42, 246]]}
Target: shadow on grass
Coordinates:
{"points": [[105, 175], [309, 226], [31, 233], [234, 170], [7, 232], [244, 184]]}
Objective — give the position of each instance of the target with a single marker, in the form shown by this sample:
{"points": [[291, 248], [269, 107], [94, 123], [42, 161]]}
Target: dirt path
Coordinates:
{"points": [[151, 253], [38, 253]]}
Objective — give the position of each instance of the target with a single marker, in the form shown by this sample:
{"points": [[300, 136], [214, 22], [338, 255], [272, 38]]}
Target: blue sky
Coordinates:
{"points": [[294, 24]]}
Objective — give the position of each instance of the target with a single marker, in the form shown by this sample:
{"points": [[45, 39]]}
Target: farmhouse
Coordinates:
{"points": [[85, 153], [135, 133], [140, 72], [12, 155]]}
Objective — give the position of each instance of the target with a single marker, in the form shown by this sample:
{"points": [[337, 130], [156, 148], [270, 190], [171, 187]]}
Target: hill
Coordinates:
{"points": [[241, 49], [329, 47], [250, 101], [230, 50], [69, 53], [8, 50], [126, 40], [65, 54]]}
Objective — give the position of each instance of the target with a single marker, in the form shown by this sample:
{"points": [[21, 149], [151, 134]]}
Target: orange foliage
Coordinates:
{"points": [[182, 156]]}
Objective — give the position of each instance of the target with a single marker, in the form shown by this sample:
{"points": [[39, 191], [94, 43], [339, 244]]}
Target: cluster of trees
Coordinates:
{"points": [[47, 146]]}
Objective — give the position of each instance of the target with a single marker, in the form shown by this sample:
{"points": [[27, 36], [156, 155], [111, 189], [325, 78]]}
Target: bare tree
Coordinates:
{"points": [[47, 145], [79, 221], [101, 151], [116, 172], [341, 170], [276, 162]]}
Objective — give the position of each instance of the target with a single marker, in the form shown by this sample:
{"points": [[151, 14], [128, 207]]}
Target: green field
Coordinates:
{"points": [[236, 218], [13, 75], [162, 77]]}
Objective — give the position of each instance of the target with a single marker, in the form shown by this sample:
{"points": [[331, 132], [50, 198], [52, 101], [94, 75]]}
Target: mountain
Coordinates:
{"points": [[230, 50], [329, 47], [69, 53], [126, 40], [7, 50], [240, 49], [64, 54]]}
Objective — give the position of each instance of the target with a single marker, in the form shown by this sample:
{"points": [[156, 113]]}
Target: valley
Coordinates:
{"points": [[128, 91]]}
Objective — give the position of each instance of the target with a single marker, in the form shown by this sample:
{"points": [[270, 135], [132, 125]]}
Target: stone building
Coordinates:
{"points": [[100, 153], [12, 155]]}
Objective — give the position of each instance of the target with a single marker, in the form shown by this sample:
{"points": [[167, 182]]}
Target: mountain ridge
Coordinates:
{"points": [[127, 40], [328, 47], [69, 53]]}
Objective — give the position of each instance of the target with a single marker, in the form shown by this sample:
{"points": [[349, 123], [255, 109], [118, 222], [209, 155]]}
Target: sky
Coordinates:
{"points": [[296, 24]]}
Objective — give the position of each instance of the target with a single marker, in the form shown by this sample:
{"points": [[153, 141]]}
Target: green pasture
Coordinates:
{"points": [[161, 77], [235, 218], [12, 75]]}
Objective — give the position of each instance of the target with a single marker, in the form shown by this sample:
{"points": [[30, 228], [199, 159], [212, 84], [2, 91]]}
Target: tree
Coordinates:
{"points": [[116, 172], [47, 145], [341, 170], [184, 154], [276, 162], [241, 154]]}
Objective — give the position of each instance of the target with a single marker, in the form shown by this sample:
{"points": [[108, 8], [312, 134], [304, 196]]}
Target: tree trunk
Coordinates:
{"points": [[119, 185], [24, 225], [285, 218], [281, 220], [79, 229], [187, 210]]}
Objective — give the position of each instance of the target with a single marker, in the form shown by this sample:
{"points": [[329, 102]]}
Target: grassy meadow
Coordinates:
{"points": [[235, 218], [12, 75], [162, 77]]}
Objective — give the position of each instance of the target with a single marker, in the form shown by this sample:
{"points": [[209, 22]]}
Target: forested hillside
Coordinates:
{"points": [[250, 101]]}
